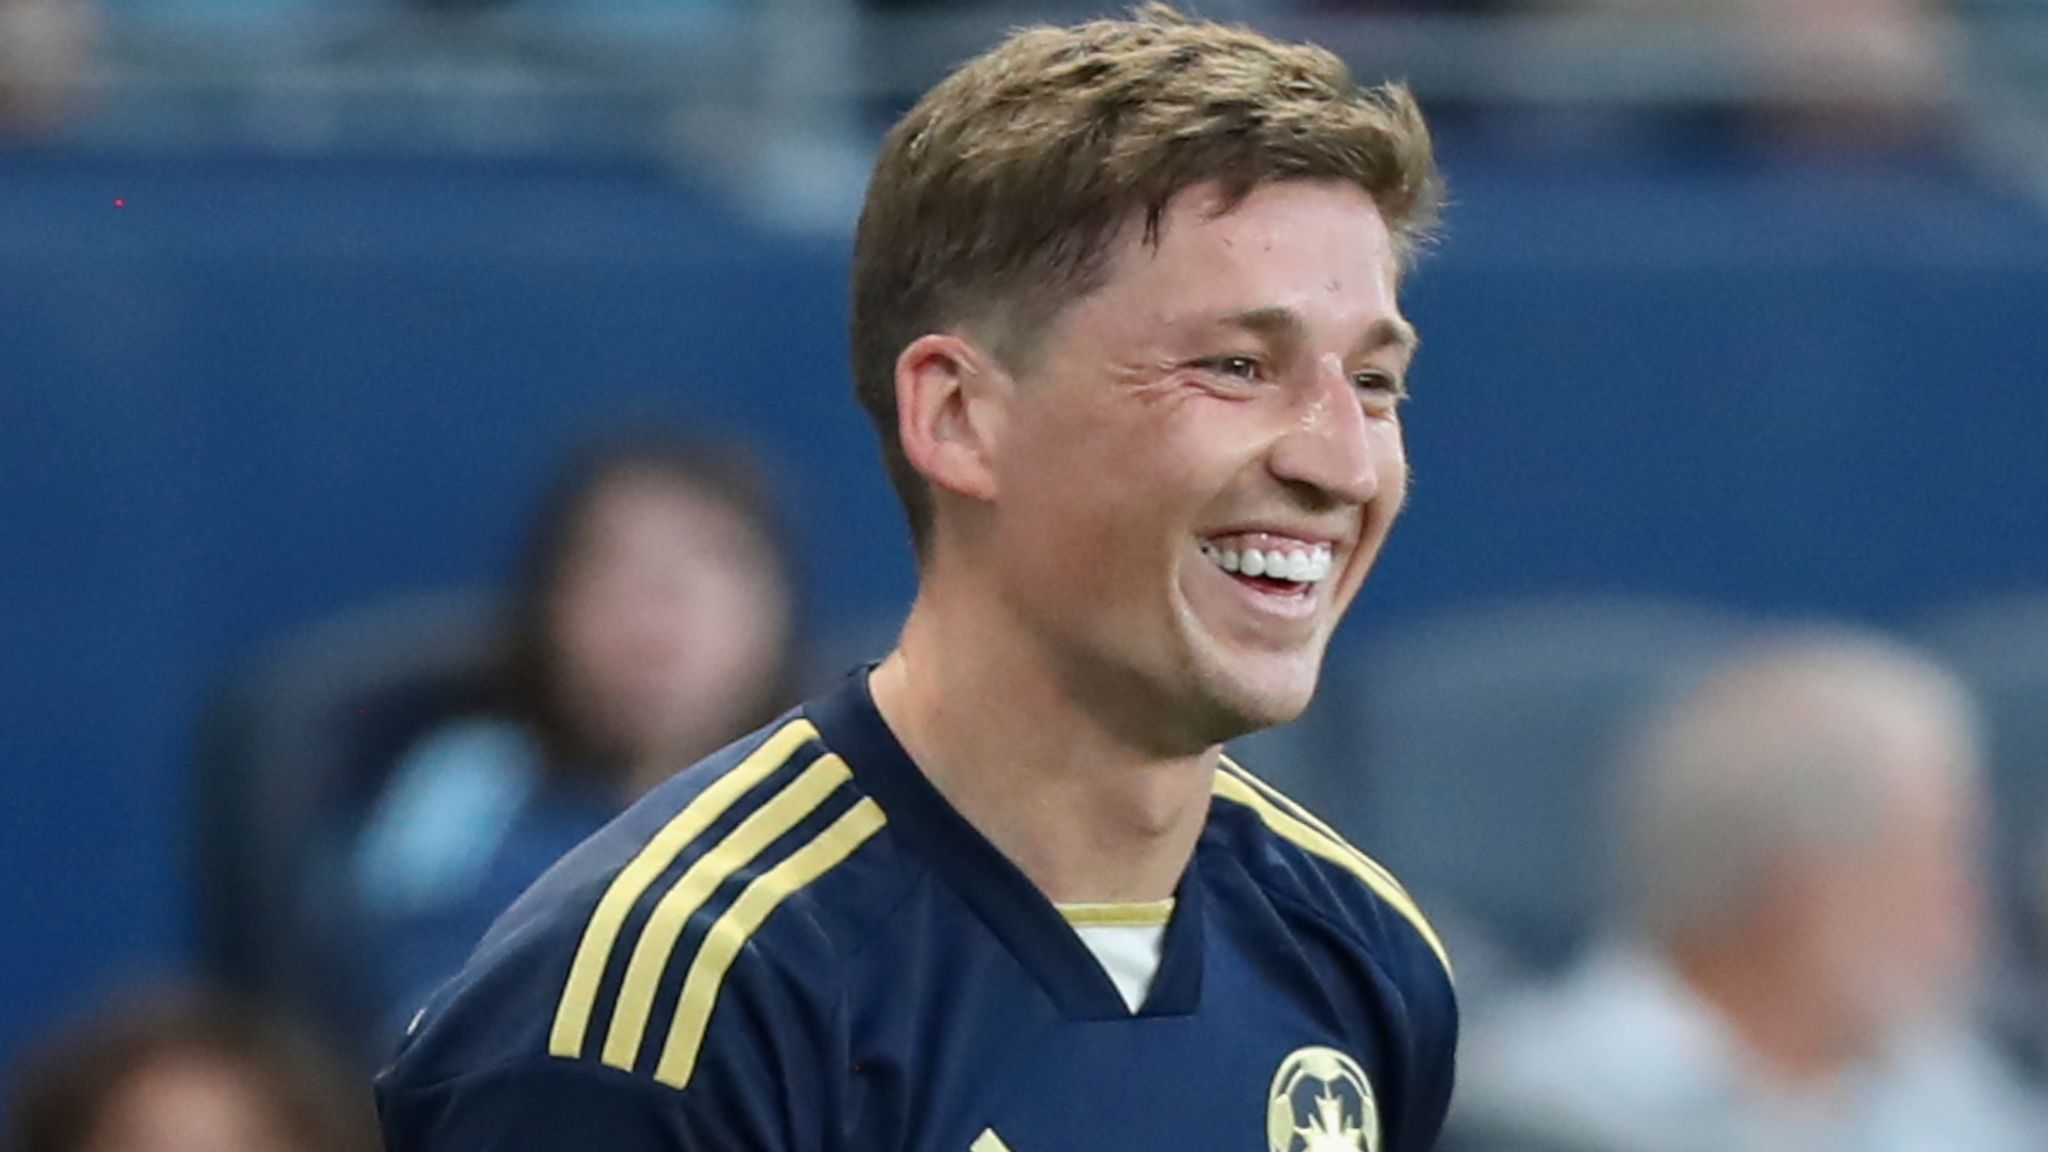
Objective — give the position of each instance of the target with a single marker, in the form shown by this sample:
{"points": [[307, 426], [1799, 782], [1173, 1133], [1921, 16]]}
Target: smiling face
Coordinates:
{"points": [[1198, 465]]}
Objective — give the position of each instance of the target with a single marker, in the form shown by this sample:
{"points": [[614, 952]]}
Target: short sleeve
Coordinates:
{"points": [[547, 1105], [1433, 1046], [764, 1075], [666, 987]]}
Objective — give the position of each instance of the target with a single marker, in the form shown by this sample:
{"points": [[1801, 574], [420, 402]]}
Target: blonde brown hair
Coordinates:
{"points": [[996, 200]]}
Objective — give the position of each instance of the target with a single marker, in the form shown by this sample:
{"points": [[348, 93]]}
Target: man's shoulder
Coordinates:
{"points": [[1305, 865], [726, 884]]}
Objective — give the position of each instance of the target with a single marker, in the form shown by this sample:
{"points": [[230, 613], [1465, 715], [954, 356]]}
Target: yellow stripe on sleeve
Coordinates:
{"points": [[732, 931], [579, 995], [665, 926], [1331, 847]]}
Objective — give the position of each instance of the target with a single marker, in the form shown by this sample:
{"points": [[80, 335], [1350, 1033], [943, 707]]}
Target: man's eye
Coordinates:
{"points": [[1376, 383], [1242, 367]]}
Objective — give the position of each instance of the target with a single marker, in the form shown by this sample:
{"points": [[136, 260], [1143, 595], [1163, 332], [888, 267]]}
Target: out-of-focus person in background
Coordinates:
{"points": [[653, 624], [45, 48], [1826, 75], [185, 1072], [1802, 934]]}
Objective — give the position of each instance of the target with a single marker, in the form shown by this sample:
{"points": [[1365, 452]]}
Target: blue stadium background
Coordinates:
{"points": [[267, 389]]}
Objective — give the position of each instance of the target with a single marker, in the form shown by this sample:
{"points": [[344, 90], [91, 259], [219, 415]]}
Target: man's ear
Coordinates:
{"points": [[952, 399]]}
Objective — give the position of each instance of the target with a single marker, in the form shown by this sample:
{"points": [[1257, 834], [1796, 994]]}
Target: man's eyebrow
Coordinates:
{"points": [[1394, 332], [1282, 324], [1277, 323]]}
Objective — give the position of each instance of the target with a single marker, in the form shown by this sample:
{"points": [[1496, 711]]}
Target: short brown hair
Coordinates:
{"points": [[995, 201]]}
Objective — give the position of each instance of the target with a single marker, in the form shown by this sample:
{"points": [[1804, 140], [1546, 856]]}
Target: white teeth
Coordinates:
{"points": [[1292, 565]]}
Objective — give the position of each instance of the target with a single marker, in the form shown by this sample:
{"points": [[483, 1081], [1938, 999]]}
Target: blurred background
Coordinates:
{"points": [[308, 308]]}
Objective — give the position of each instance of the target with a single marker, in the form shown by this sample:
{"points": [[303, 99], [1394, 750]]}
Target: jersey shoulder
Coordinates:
{"points": [[724, 886], [1294, 855]]}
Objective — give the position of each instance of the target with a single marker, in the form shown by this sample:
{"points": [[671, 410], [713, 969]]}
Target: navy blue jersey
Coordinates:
{"points": [[799, 946]]}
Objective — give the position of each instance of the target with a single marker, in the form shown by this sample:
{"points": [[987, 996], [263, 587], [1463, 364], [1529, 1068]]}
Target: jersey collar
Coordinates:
{"points": [[1012, 907]]}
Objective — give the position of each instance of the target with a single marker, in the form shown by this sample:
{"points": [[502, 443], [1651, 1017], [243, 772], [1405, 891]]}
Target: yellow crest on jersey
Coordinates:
{"points": [[1321, 1101]]}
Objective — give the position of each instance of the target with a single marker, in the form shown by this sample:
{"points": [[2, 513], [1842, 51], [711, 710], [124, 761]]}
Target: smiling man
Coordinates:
{"points": [[1125, 314]]}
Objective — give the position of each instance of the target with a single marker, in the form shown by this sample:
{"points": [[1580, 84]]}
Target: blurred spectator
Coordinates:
{"points": [[1831, 75], [45, 46], [186, 1073], [654, 624], [1802, 937]]}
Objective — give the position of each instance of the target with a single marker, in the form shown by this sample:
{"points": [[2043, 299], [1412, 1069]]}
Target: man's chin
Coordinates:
{"points": [[1249, 700]]}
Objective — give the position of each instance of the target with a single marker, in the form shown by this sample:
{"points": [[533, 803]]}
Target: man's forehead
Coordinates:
{"points": [[1209, 209], [1313, 256], [1296, 300], [1326, 230]]}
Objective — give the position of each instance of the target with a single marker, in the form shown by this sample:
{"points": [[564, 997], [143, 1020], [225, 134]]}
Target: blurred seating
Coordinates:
{"points": [[292, 756], [633, 16], [1819, 76], [255, 17], [2000, 648], [1472, 751]]}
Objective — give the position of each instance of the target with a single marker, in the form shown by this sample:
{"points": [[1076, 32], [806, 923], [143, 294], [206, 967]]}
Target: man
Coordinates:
{"points": [[1803, 925], [1124, 312]]}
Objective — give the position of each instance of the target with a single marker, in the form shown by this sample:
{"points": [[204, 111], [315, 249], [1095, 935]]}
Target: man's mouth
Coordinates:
{"points": [[1272, 564]]}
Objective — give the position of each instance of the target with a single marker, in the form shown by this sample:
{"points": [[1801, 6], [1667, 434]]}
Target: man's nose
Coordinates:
{"points": [[1330, 449]]}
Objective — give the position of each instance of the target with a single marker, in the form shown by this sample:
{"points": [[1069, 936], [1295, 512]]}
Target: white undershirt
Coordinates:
{"points": [[1126, 939]]}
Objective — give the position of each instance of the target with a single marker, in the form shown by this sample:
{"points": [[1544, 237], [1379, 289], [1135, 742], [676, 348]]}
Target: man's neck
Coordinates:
{"points": [[1006, 741]]}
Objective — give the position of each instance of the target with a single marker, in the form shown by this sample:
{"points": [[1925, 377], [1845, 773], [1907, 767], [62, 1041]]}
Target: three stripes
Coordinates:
{"points": [[655, 948], [652, 952]]}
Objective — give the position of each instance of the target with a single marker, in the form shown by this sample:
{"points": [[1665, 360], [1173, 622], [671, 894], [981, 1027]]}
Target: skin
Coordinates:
{"points": [[1855, 943], [1073, 660], [189, 1105], [670, 620]]}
